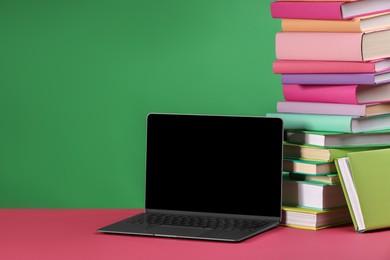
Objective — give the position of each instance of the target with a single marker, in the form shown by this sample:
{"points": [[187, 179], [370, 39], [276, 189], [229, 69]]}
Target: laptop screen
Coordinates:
{"points": [[217, 164]]}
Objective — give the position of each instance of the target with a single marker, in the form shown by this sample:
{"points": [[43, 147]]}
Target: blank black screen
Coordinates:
{"points": [[218, 164]]}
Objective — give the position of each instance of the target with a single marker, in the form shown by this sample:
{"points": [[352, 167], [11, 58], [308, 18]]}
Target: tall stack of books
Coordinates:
{"points": [[334, 62]]}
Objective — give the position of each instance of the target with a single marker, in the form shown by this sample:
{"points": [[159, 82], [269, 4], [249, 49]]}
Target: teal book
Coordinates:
{"points": [[365, 179], [333, 123]]}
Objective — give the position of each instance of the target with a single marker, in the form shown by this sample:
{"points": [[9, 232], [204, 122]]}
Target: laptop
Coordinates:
{"points": [[209, 177]]}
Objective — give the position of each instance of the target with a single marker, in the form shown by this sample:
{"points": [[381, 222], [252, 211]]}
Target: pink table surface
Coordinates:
{"points": [[71, 234]]}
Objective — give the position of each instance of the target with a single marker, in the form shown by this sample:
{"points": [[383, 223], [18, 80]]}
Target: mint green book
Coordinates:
{"points": [[333, 123], [365, 178]]}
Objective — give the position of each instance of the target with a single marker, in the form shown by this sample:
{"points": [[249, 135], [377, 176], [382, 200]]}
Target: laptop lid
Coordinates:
{"points": [[214, 164]]}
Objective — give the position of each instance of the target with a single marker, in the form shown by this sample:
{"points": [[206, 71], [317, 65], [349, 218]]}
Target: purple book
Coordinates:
{"points": [[339, 78]]}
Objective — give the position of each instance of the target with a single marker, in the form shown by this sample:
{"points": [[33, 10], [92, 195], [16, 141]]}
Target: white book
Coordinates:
{"points": [[312, 194], [345, 171]]}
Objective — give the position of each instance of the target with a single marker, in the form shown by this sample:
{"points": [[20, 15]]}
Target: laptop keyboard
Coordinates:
{"points": [[197, 221]]}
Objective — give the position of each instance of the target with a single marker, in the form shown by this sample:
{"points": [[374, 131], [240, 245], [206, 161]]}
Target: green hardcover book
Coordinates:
{"points": [[336, 139], [333, 123], [365, 179], [308, 167], [328, 178], [315, 153]]}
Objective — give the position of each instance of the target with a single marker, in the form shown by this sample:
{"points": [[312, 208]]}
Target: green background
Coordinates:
{"points": [[79, 77]]}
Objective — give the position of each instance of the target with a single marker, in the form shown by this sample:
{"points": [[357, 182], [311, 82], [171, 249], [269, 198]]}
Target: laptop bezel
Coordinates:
{"points": [[212, 214]]}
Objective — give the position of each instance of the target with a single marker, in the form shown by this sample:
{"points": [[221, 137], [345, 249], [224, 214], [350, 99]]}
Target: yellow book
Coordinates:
{"points": [[313, 219]]}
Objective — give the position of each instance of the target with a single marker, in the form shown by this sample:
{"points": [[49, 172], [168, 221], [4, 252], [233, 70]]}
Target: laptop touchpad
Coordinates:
{"points": [[177, 231]]}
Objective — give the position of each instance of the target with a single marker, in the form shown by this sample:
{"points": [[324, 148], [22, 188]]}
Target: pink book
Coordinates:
{"points": [[310, 66], [301, 107], [332, 46], [317, 0], [327, 10], [345, 94]]}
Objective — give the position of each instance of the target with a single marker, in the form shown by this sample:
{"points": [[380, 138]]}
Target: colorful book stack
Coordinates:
{"points": [[334, 62]]}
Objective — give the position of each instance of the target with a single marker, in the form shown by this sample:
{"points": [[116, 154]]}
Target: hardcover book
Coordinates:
{"points": [[327, 10], [359, 24], [333, 123], [320, 66], [312, 194], [308, 167], [314, 219], [336, 78], [344, 94], [336, 139], [317, 0], [333, 108], [315, 153], [328, 178], [332, 46], [365, 180]]}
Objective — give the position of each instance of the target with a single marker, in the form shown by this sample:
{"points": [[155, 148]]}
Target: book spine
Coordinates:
{"points": [[324, 46], [345, 94]]}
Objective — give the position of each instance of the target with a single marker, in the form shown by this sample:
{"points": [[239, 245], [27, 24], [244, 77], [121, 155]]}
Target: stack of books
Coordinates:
{"points": [[334, 62]]}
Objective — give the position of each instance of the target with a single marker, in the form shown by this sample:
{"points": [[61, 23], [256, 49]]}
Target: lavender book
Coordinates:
{"points": [[337, 78]]}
